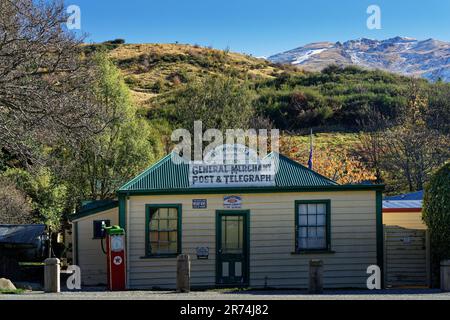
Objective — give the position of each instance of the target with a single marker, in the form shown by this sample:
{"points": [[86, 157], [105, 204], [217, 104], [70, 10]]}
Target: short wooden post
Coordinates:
{"points": [[445, 275], [183, 273], [52, 275], [315, 277]]}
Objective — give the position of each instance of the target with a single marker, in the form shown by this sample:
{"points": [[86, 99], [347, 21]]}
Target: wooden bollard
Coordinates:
{"points": [[315, 277], [52, 275], [445, 275], [183, 273]]}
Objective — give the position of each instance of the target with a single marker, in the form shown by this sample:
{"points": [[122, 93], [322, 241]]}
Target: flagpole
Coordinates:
{"points": [[311, 150]]}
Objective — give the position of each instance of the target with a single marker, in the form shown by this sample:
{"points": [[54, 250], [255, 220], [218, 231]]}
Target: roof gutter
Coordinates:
{"points": [[253, 190], [399, 210]]}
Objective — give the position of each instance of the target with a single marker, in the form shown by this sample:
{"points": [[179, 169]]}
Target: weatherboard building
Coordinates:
{"points": [[242, 226]]}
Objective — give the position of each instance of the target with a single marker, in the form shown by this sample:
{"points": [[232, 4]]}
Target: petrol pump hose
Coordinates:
{"points": [[103, 237], [103, 245]]}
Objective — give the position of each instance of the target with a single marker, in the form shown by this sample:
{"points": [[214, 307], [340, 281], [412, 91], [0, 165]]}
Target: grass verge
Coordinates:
{"points": [[16, 291]]}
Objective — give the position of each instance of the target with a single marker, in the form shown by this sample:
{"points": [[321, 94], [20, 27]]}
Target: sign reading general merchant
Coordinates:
{"points": [[232, 172], [227, 175]]}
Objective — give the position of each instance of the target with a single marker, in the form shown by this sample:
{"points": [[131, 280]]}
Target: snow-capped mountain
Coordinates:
{"points": [[428, 58]]}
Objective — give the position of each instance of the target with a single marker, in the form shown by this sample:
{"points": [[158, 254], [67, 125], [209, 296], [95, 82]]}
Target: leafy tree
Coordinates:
{"points": [[436, 215], [48, 197], [220, 103], [101, 163], [15, 206]]}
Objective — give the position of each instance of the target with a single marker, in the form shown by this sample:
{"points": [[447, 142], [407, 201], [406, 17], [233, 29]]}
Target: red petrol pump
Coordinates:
{"points": [[115, 252]]}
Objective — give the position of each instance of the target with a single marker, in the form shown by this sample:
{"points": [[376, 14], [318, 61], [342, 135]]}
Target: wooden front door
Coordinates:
{"points": [[232, 248]]}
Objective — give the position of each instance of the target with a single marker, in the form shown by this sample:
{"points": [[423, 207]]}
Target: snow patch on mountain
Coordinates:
{"points": [[408, 56], [307, 56]]}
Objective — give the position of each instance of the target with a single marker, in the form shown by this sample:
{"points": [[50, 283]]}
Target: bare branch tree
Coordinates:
{"points": [[45, 81], [371, 147]]}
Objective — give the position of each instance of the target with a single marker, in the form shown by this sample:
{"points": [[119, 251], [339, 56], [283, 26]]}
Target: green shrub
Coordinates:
{"points": [[436, 215], [115, 41]]}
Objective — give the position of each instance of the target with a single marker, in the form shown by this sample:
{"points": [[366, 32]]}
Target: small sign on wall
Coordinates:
{"points": [[199, 203], [202, 252], [232, 202]]}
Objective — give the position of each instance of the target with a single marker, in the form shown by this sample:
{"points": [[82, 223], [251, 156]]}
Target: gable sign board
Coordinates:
{"points": [[232, 166]]}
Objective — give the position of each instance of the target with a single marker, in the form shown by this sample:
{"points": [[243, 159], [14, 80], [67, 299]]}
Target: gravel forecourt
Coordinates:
{"points": [[96, 294]]}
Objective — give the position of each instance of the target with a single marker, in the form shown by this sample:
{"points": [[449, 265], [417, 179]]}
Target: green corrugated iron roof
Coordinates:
{"points": [[169, 176]]}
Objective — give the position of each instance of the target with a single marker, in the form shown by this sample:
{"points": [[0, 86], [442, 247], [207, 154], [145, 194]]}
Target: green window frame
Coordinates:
{"points": [[314, 227], [160, 232]]}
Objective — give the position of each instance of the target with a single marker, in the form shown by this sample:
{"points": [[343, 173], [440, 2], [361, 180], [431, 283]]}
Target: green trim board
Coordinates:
{"points": [[148, 253], [122, 211], [200, 191], [327, 203], [380, 235], [246, 239], [90, 212]]}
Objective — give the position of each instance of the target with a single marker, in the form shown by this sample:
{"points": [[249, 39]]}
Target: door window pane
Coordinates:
{"points": [[232, 234], [225, 269], [238, 269]]}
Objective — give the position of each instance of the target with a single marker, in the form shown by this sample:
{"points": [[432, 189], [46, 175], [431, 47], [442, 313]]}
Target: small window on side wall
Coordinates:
{"points": [[99, 232], [312, 225]]}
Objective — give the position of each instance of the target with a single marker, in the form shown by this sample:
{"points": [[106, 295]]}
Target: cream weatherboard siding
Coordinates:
{"points": [[272, 240], [407, 249], [90, 257], [407, 220]]}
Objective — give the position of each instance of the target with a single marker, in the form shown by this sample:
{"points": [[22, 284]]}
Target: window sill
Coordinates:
{"points": [[306, 252], [160, 256]]}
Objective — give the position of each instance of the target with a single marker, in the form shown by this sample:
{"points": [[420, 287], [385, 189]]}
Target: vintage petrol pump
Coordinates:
{"points": [[115, 252]]}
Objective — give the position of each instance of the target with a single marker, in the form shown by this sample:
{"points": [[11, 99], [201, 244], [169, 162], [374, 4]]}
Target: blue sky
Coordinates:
{"points": [[259, 27]]}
